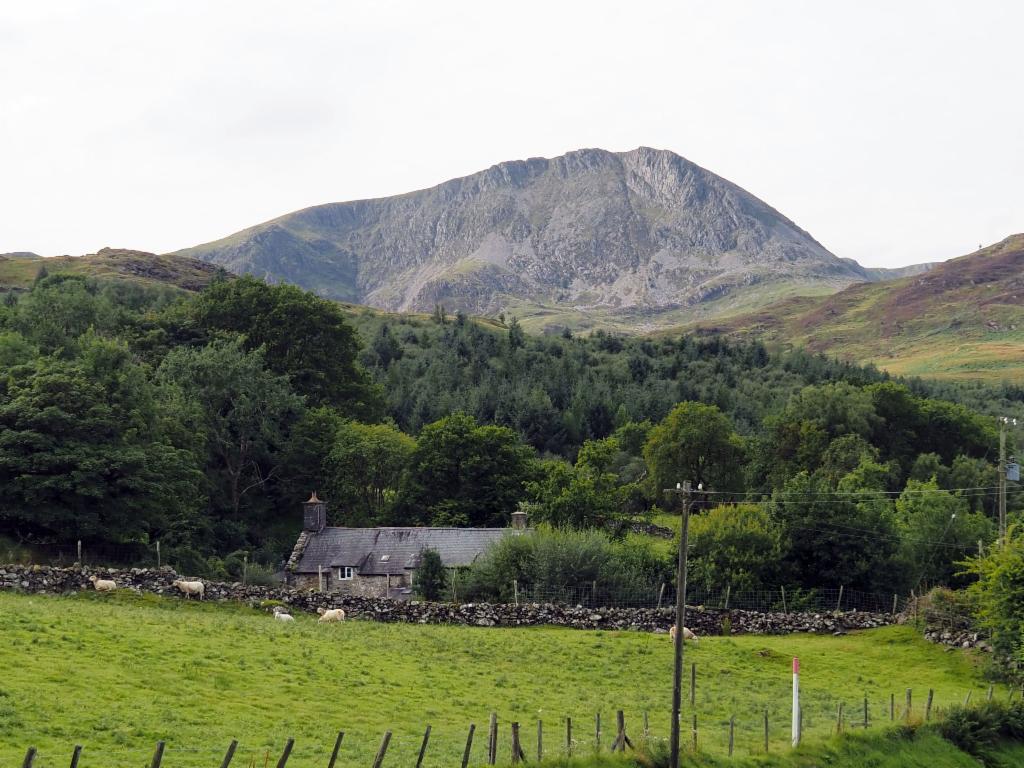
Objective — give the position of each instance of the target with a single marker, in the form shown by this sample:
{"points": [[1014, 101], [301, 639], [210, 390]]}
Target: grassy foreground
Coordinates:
{"points": [[118, 672]]}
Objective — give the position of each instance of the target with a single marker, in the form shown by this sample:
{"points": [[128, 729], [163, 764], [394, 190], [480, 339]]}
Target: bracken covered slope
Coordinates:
{"points": [[588, 238], [962, 319]]}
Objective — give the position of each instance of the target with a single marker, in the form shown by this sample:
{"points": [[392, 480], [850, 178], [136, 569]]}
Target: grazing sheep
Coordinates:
{"points": [[103, 585], [190, 588], [335, 614], [282, 615], [687, 634]]}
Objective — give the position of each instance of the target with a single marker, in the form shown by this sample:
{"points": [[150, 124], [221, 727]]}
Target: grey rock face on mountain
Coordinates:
{"points": [[639, 231]]}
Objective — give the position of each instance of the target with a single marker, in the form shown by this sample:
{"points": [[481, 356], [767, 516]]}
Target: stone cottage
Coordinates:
{"points": [[379, 562]]}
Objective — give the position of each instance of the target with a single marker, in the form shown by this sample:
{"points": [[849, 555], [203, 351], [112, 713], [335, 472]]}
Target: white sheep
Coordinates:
{"points": [[282, 615], [190, 588], [103, 585], [687, 634], [335, 614]]}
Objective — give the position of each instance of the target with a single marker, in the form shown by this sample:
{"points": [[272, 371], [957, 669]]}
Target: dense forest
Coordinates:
{"points": [[131, 414]]}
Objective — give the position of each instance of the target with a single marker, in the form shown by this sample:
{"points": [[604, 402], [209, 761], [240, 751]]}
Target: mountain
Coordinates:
{"points": [[964, 318], [623, 239], [880, 274], [18, 270]]}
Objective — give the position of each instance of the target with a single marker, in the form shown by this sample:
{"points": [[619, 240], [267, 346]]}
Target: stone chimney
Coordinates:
{"points": [[314, 514], [519, 518]]}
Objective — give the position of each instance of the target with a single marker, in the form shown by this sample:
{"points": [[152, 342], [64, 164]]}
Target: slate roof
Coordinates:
{"points": [[364, 548]]}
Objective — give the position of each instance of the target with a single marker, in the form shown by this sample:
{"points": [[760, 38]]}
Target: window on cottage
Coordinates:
{"points": [[347, 572]]}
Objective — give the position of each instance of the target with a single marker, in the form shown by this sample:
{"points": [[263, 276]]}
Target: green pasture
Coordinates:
{"points": [[118, 672]]}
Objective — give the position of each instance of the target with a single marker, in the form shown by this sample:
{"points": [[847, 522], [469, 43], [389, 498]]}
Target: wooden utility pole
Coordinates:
{"points": [[677, 675], [1002, 481]]}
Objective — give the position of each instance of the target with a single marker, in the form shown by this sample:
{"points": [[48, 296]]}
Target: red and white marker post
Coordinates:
{"points": [[796, 702]]}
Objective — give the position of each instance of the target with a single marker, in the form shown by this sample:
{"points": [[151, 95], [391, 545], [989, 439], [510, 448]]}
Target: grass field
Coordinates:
{"points": [[117, 673]]}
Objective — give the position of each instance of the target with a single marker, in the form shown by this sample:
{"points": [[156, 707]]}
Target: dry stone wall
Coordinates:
{"points": [[704, 621]]}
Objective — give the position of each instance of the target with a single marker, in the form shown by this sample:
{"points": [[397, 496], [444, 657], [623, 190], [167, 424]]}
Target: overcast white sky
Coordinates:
{"points": [[893, 132]]}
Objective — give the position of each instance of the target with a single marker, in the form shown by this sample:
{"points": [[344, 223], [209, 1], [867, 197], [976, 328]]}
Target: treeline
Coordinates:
{"points": [[130, 414]]}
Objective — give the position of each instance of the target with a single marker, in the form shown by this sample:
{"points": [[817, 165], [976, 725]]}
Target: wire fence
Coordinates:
{"points": [[777, 599], [716, 721]]}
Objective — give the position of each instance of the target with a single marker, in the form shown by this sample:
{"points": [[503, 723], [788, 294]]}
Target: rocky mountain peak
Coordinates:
{"points": [[642, 233]]}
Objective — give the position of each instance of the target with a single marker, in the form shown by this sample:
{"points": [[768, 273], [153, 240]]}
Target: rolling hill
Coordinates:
{"points": [[630, 240], [19, 270], [962, 319]]}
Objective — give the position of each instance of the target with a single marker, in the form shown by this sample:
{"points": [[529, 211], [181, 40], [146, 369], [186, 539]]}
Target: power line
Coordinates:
{"points": [[990, 490]]}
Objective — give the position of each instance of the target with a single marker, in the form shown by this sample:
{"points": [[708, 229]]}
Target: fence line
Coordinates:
{"points": [[787, 599], [750, 728]]}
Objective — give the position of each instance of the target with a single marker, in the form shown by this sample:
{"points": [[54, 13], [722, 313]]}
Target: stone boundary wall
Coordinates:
{"points": [[41, 579]]}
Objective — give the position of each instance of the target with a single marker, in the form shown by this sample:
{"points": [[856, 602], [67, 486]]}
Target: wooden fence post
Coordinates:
{"points": [[621, 739], [967, 698], [894, 598], [568, 736], [597, 732], [76, 755], [492, 740], [30, 757], [784, 600], [661, 594], [469, 746], [693, 683], [928, 706], [647, 729], [892, 706], [907, 714], [732, 732], [337, 748], [839, 602], [695, 733], [158, 755], [379, 759], [540, 740], [766, 731], [517, 749], [229, 755], [991, 689], [865, 711], [423, 749], [728, 591], [286, 754], [839, 718], [158, 561]]}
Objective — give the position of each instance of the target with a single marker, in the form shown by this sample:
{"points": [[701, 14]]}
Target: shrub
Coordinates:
{"points": [[566, 565], [431, 577]]}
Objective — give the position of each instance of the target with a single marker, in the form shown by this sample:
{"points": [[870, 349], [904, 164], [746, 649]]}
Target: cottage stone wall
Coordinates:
{"points": [[358, 586], [704, 621]]}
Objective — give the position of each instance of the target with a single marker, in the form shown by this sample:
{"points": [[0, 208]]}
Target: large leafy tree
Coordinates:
{"points": [[938, 531], [839, 535], [737, 546], [83, 455], [365, 470], [244, 409], [585, 495], [303, 337], [695, 442], [465, 474]]}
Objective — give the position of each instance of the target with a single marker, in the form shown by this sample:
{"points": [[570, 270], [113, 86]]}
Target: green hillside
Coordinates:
{"points": [[18, 271], [118, 672], [962, 320]]}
